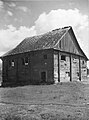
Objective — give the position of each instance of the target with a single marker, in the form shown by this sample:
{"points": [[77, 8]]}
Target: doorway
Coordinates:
{"points": [[43, 76]]}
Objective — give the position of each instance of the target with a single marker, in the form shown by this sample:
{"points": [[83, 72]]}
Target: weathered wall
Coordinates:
{"points": [[83, 68], [32, 71], [65, 71], [75, 68], [23, 71], [39, 64], [4, 70], [56, 67], [68, 44], [64, 68]]}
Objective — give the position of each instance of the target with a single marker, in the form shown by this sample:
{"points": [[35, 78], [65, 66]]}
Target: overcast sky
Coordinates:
{"points": [[21, 19]]}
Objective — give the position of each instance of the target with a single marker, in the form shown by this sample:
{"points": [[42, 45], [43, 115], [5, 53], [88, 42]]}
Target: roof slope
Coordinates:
{"points": [[45, 41]]}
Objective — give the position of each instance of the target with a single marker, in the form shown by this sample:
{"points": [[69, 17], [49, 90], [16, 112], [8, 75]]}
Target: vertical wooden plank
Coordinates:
{"points": [[79, 69], [17, 70], [5, 69], [3, 73], [58, 67], [53, 65], [70, 68]]}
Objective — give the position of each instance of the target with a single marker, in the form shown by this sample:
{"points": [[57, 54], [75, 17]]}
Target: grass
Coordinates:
{"points": [[68, 93], [41, 112], [64, 101]]}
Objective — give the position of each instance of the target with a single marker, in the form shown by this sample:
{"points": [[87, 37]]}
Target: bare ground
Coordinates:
{"points": [[63, 101]]}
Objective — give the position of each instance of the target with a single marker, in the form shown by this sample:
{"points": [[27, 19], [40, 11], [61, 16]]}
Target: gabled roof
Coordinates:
{"points": [[45, 41], [78, 44]]}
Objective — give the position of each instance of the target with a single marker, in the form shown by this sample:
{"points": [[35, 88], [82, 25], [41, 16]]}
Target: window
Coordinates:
{"points": [[45, 56], [11, 63], [43, 76], [25, 61], [83, 62], [63, 57]]}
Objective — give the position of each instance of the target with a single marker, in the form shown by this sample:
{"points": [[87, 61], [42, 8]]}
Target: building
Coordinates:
{"points": [[49, 58]]}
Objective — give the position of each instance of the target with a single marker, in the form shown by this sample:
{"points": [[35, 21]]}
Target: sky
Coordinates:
{"points": [[24, 18]]}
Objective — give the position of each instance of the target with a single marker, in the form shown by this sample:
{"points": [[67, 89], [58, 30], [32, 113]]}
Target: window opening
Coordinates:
{"points": [[83, 62], [25, 61], [12, 63], [63, 57]]}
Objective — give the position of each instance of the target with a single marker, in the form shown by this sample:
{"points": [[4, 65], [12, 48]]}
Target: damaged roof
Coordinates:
{"points": [[45, 41]]}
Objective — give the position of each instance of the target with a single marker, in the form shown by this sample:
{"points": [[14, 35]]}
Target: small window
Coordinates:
{"points": [[63, 57], [83, 62], [45, 56], [25, 61], [12, 63]]}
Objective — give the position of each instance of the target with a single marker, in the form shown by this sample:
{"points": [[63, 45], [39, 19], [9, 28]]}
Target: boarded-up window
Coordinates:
{"points": [[63, 57]]}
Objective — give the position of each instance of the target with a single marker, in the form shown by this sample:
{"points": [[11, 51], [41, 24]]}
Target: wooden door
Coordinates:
{"points": [[43, 76]]}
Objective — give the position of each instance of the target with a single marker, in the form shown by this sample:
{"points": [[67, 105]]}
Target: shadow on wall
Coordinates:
{"points": [[19, 84], [0, 76], [88, 71]]}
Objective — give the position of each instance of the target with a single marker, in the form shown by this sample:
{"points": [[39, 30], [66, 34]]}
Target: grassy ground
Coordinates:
{"points": [[64, 101]]}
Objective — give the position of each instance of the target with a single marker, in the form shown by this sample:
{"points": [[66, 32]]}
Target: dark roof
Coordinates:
{"points": [[45, 41]]}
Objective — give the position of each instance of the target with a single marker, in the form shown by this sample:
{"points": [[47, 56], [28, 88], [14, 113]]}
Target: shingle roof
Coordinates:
{"points": [[47, 40]]}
